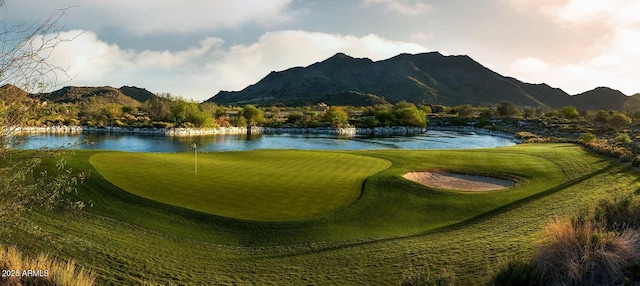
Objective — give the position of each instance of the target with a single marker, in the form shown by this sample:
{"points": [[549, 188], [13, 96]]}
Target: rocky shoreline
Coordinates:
{"points": [[482, 131], [187, 132]]}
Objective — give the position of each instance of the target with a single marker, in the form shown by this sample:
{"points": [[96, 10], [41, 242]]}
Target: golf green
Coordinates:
{"points": [[261, 186]]}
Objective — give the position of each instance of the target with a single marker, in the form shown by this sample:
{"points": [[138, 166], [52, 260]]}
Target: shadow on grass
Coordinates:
{"points": [[319, 249]]}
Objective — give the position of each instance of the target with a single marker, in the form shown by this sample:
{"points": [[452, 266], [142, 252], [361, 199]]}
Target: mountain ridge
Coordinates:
{"points": [[426, 78], [126, 95]]}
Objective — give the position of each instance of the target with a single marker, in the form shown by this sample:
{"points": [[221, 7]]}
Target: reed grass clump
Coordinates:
{"points": [[18, 270]]}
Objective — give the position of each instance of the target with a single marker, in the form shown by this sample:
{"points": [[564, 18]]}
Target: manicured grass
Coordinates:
{"points": [[396, 225], [263, 186]]}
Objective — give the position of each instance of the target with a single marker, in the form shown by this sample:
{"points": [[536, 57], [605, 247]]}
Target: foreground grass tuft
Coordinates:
{"points": [[584, 253], [598, 247], [21, 270]]}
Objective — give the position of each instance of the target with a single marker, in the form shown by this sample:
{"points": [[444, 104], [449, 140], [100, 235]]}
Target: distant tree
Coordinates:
{"points": [[602, 116], [569, 112], [408, 114], [112, 110], [552, 114], [507, 109], [253, 115], [337, 117], [619, 120], [487, 112], [528, 112], [24, 185], [295, 117], [158, 108], [179, 111], [239, 121], [385, 117], [465, 111], [209, 108], [426, 109], [199, 118]]}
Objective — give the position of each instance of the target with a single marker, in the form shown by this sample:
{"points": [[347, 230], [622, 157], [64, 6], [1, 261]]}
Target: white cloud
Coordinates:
{"points": [[199, 72], [158, 16], [613, 59], [530, 66], [406, 7], [89, 58], [245, 64]]}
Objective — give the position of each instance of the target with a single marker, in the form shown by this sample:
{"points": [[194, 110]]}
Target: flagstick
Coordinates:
{"points": [[194, 146]]}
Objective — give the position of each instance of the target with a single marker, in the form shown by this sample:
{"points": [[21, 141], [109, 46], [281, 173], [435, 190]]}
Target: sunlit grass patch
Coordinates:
{"points": [[262, 186]]}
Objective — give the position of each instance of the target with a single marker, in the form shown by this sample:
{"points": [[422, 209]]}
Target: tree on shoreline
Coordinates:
{"points": [[25, 182]]}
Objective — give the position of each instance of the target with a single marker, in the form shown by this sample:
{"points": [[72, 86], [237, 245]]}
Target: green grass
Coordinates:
{"points": [[396, 225], [262, 186]]}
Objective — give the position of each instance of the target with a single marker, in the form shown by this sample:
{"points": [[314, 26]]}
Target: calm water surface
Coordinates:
{"points": [[139, 143]]}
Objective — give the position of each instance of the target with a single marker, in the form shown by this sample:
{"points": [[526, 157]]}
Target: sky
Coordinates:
{"points": [[195, 48]]}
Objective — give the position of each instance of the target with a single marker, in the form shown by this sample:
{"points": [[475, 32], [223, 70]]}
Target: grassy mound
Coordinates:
{"points": [[262, 186]]}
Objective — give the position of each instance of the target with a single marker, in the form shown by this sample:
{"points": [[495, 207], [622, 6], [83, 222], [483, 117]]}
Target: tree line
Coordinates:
{"points": [[167, 111]]}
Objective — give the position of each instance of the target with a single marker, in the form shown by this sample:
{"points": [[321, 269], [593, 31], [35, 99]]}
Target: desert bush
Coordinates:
{"points": [[587, 137], [525, 135], [623, 138], [582, 252], [47, 271], [619, 214], [600, 246]]}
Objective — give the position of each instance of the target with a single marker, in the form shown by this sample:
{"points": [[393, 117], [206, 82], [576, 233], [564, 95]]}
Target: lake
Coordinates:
{"points": [[139, 143]]}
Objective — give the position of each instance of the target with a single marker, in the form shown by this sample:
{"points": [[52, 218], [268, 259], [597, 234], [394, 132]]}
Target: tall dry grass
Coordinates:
{"points": [[583, 252], [619, 213], [19, 270]]}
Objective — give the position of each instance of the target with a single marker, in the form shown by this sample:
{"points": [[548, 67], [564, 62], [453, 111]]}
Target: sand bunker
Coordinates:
{"points": [[458, 181]]}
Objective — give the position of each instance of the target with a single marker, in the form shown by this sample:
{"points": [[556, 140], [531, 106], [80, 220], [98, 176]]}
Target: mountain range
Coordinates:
{"points": [[126, 95], [426, 78]]}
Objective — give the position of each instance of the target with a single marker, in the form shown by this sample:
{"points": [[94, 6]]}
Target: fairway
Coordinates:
{"points": [[381, 226], [260, 186]]}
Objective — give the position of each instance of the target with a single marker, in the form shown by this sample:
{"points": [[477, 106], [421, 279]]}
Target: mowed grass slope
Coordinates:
{"points": [[396, 226], [262, 186]]}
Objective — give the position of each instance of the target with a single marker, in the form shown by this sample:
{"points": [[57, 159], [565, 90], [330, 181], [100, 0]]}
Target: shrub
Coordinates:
{"points": [[619, 120], [569, 112], [587, 137], [525, 135], [623, 138], [57, 273], [619, 214], [581, 252]]}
